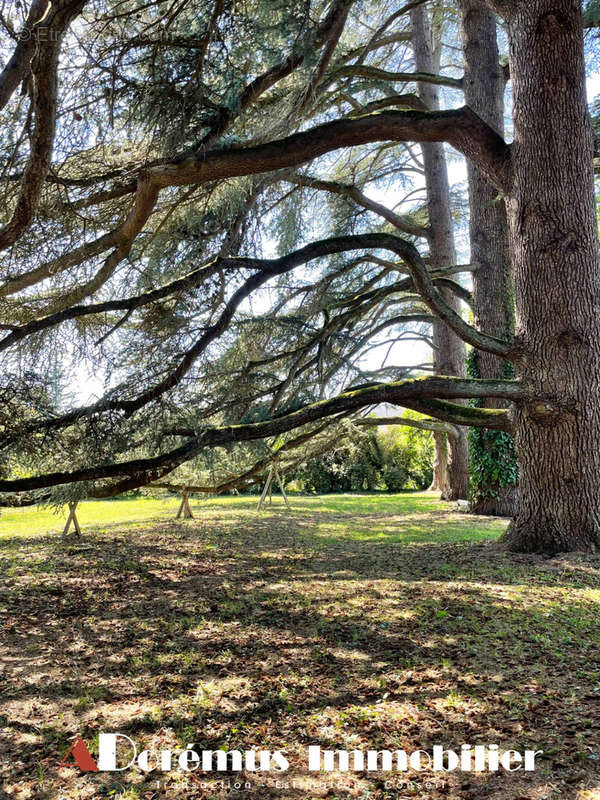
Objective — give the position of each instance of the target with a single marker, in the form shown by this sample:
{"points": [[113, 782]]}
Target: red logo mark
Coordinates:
{"points": [[81, 757]]}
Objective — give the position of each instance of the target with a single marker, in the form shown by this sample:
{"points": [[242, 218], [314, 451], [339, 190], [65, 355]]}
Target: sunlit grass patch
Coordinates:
{"points": [[36, 521]]}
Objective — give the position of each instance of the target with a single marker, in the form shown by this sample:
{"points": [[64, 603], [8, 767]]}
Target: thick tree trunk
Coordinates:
{"points": [[449, 352], [492, 285], [440, 463], [554, 247]]}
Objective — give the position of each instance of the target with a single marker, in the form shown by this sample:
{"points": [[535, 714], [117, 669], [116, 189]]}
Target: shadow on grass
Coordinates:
{"points": [[247, 631]]}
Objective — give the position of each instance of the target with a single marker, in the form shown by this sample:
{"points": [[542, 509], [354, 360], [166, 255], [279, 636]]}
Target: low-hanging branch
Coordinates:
{"points": [[416, 394], [256, 469]]}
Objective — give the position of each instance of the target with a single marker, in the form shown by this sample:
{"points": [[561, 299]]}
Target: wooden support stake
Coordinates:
{"points": [[184, 507], [72, 518], [266, 489], [280, 482]]}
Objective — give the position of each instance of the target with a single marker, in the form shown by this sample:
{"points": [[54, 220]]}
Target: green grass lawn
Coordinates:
{"points": [[353, 621], [36, 521], [397, 517]]}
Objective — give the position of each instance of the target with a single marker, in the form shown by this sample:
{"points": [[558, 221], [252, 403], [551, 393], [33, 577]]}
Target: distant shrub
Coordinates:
{"points": [[391, 458], [395, 478]]}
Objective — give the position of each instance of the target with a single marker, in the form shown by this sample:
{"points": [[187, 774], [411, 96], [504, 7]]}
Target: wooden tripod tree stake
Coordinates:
{"points": [[281, 489], [184, 507], [266, 489], [273, 473], [72, 518]]}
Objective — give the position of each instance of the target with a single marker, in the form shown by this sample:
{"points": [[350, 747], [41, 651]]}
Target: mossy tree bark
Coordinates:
{"points": [[554, 249]]}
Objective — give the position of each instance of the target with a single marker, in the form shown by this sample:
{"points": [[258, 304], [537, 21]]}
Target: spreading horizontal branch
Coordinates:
{"points": [[121, 239], [422, 424], [496, 419], [367, 71], [265, 270], [414, 393], [256, 469], [461, 128], [186, 283]]}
